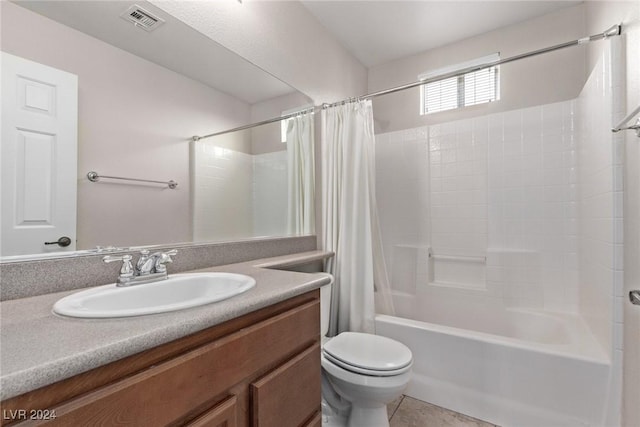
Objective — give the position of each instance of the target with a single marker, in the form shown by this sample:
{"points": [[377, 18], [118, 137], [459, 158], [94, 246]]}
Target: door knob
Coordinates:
{"points": [[634, 297], [62, 242]]}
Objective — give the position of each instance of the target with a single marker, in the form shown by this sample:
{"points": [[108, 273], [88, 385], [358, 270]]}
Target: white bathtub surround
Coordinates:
{"points": [[270, 174], [479, 187], [600, 175], [222, 192], [350, 222], [409, 267], [458, 189], [536, 337], [301, 177], [597, 200], [459, 271], [237, 195]]}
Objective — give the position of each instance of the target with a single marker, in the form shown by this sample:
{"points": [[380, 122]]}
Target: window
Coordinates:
{"points": [[468, 89]]}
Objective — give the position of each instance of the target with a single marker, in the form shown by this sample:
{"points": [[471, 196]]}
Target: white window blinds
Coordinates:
{"points": [[456, 92]]}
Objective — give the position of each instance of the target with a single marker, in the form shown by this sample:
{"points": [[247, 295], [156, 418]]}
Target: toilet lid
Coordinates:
{"points": [[326, 357], [368, 354]]}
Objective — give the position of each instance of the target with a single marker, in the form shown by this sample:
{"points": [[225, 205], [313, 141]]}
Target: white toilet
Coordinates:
{"points": [[361, 374]]}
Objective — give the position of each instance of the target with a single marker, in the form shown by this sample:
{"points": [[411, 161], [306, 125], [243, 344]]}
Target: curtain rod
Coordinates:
{"points": [[614, 30]]}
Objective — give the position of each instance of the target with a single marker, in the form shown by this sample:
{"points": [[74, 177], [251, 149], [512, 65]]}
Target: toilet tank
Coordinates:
{"points": [[325, 308]]}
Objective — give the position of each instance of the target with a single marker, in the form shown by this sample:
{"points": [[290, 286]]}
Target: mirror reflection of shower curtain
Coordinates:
{"points": [[350, 220], [301, 175]]}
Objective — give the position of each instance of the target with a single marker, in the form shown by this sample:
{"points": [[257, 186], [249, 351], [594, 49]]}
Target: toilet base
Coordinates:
{"points": [[331, 418], [368, 395], [360, 417], [368, 417], [333, 421]]}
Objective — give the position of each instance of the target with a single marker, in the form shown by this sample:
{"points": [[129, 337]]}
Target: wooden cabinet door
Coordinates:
{"points": [[289, 395], [316, 421], [221, 415], [163, 394]]}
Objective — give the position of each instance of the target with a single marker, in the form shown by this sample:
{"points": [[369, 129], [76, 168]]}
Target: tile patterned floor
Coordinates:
{"points": [[409, 412]]}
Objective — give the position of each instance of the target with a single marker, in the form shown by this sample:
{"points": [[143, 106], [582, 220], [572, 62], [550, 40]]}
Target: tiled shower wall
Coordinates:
{"points": [[532, 171], [270, 194], [238, 195], [458, 192], [600, 208], [402, 192], [501, 186]]}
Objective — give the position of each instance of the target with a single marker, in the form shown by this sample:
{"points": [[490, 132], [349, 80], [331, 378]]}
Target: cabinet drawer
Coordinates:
{"points": [[166, 393], [289, 395], [221, 415]]}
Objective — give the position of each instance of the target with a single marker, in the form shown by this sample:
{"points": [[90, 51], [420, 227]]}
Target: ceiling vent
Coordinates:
{"points": [[142, 18]]}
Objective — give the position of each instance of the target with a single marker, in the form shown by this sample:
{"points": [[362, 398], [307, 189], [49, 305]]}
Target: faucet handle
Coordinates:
{"points": [[126, 271], [164, 258]]}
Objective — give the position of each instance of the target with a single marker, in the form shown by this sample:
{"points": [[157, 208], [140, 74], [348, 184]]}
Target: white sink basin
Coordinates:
{"points": [[179, 291]]}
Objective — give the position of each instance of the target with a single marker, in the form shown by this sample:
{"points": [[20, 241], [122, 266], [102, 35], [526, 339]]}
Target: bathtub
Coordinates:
{"points": [[511, 367]]}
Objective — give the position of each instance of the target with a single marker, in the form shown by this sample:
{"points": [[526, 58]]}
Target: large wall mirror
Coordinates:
{"points": [[132, 95]]}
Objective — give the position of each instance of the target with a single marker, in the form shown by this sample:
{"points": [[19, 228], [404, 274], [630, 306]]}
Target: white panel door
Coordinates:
{"points": [[38, 157]]}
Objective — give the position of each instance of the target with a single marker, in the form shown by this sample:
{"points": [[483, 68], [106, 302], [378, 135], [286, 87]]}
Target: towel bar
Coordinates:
{"points": [[94, 177]]}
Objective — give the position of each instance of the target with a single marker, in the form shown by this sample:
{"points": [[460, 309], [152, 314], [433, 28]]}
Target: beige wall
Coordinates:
{"points": [[545, 79], [599, 16], [135, 120], [267, 138], [284, 39]]}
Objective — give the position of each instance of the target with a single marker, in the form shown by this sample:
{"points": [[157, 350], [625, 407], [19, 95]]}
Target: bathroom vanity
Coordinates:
{"points": [[259, 368]]}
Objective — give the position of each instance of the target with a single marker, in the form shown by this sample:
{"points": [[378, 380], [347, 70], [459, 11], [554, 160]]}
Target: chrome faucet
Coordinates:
{"points": [[142, 263], [148, 268]]}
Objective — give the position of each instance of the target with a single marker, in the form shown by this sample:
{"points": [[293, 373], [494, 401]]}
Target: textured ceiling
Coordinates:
{"points": [[381, 31]]}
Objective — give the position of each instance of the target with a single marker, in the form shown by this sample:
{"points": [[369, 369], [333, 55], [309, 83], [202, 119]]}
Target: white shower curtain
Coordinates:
{"points": [[301, 175], [350, 220]]}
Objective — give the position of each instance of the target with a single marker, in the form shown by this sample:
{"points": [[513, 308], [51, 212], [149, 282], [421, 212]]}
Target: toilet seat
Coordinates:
{"points": [[363, 371], [368, 354], [368, 381]]}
